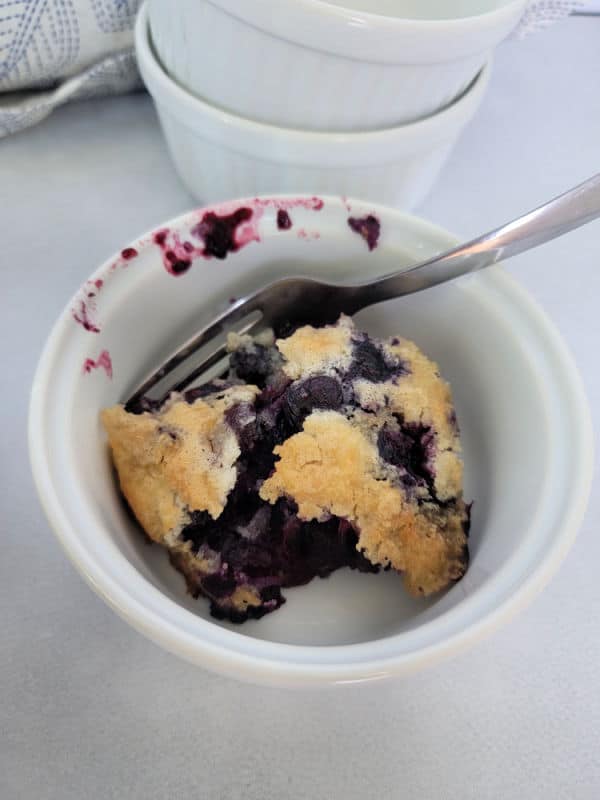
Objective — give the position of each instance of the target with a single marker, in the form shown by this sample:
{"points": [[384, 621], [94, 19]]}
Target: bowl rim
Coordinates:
{"points": [[238, 655], [303, 146], [360, 35]]}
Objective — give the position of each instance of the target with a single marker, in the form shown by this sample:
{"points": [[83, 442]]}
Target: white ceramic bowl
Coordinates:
{"points": [[219, 155], [313, 65], [519, 400]]}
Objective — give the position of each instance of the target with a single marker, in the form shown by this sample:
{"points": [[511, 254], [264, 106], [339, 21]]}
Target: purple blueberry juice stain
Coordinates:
{"points": [[220, 235], [368, 227], [177, 265], [224, 233], [284, 222], [177, 255], [82, 314], [85, 308], [102, 362], [309, 203], [308, 235]]}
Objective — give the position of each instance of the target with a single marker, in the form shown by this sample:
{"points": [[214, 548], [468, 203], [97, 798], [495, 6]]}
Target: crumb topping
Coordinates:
{"points": [[317, 350], [421, 396], [178, 459], [331, 468]]}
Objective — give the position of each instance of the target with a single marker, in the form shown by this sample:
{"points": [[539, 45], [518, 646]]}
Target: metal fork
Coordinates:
{"points": [[289, 302]]}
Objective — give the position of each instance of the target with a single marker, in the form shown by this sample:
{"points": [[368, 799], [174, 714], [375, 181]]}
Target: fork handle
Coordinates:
{"points": [[560, 215]]}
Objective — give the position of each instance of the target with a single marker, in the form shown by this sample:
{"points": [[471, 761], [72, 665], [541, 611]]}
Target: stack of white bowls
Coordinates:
{"points": [[357, 97]]}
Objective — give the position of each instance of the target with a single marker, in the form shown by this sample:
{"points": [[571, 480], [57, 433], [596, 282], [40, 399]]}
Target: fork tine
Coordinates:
{"points": [[210, 361], [214, 358], [223, 322], [281, 305]]}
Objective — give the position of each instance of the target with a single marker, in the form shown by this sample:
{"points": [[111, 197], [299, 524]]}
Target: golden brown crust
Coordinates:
{"points": [[421, 396], [180, 458], [310, 350], [331, 468]]}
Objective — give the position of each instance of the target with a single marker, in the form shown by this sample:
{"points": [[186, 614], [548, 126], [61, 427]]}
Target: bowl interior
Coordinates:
{"points": [[423, 9], [141, 312]]}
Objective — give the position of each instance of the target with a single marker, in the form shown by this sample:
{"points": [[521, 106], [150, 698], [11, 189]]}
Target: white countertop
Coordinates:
{"points": [[90, 709]]}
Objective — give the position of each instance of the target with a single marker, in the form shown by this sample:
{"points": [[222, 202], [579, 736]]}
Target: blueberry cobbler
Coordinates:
{"points": [[322, 450]]}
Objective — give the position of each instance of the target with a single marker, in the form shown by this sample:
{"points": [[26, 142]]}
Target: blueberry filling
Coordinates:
{"points": [[368, 227], [252, 364], [371, 364], [303, 397], [267, 548], [219, 233], [254, 549], [177, 265], [212, 387], [284, 223], [261, 546], [143, 404], [410, 449]]}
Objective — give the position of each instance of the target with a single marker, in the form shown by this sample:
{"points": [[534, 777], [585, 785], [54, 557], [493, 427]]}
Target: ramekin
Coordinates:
{"points": [[316, 66], [525, 428], [219, 155]]}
